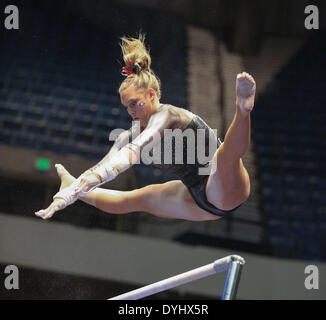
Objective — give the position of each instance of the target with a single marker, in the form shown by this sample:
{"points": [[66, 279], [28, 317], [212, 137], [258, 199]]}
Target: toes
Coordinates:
{"points": [[246, 85], [60, 169], [245, 75]]}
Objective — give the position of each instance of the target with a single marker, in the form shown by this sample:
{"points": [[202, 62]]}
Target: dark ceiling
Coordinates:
{"points": [[242, 24]]}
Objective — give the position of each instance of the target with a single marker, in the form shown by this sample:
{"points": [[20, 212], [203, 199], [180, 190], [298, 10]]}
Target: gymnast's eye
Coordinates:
{"points": [[132, 104]]}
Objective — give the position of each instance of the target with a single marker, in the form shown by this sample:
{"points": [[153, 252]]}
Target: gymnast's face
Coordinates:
{"points": [[140, 104]]}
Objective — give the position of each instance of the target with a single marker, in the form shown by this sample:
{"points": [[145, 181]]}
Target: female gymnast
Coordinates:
{"points": [[193, 197]]}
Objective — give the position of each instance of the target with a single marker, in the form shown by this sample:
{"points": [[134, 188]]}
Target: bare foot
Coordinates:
{"points": [[66, 180], [245, 90]]}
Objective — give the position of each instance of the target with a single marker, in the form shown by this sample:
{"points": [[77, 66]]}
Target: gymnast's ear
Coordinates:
{"points": [[152, 94]]}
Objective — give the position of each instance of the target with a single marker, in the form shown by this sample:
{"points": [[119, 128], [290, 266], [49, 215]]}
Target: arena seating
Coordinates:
{"points": [[60, 75], [288, 130]]}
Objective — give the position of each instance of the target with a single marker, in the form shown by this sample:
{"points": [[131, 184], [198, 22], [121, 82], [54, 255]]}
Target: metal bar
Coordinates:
{"points": [[233, 279], [220, 265]]}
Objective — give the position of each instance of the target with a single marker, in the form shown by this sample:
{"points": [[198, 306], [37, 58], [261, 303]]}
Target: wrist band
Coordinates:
{"points": [[105, 174], [66, 195], [92, 171]]}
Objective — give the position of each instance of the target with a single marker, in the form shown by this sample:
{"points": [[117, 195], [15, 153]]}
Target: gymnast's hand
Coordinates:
{"points": [[86, 182], [56, 205]]}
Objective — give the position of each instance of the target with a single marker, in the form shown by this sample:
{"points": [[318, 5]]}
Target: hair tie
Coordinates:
{"points": [[134, 68], [125, 71]]}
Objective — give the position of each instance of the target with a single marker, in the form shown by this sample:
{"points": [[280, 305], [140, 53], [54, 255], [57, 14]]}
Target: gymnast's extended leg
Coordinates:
{"points": [[229, 185], [168, 200]]}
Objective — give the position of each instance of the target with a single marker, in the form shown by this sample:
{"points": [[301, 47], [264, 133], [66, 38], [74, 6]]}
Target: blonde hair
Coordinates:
{"points": [[143, 77]]}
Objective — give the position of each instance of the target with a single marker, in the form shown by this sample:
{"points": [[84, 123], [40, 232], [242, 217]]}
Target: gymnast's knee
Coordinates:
{"points": [[231, 205]]}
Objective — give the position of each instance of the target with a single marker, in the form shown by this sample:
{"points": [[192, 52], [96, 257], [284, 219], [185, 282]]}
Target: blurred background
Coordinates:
{"points": [[59, 75]]}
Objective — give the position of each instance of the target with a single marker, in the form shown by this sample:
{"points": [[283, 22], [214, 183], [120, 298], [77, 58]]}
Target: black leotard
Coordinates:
{"points": [[188, 173]]}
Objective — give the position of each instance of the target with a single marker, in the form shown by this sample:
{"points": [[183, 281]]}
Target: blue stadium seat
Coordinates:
{"points": [[290, 151]]}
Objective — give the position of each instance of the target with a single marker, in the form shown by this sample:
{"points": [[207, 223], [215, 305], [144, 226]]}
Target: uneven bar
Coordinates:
{"points": [[232, 281], [217, 266]]}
